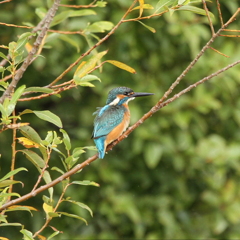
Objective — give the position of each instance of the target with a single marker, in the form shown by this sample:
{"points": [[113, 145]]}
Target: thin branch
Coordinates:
{"points": [[93, 47], [219, 12], [190, 66], [208, 16], [80, 166], [5, 1], [37, 44]]}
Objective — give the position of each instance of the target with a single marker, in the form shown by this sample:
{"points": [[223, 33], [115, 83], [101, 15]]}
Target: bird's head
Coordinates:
{"points": [[120, 95]]}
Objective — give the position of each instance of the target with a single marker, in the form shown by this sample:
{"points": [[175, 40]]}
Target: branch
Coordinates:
{"points": [[80, 166], [46, 21], [93, 47]]}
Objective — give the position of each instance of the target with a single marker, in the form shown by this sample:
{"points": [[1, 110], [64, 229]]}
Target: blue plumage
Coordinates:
{"points": [[113, 119]]}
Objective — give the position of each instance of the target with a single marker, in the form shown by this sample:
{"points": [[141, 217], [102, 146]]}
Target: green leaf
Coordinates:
{"points": [[71, 13], [58, 170], [71, 161], [30, 133], [163, 4], [78, 151], [21, 208], [100, 26], [10, 224], [27, 235], [82, 205], [38, 89], [41, 12], [37, 161], [6, 183], [89, 77], [195, 10], [101, 3], [49, 116], [23, 39], [66, 140], [86, 183], [53, 235], [47, 179], [73, 216], [3, 56], [148, 27], [3, 111], [71, 41], [83, 69], [8, 175], [152, 154], [13, 101]]}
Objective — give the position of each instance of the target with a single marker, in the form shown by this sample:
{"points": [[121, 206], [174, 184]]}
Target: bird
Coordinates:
{"points": [[114, 118]]}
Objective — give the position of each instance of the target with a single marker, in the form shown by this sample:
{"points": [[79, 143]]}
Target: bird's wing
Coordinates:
{"points": [[106, 120]]}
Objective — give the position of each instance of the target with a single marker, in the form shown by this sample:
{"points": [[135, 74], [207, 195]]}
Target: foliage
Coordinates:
{"points": [[175, 177]]}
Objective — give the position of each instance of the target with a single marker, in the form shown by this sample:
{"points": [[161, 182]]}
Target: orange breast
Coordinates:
{"points": [[117, 131]]}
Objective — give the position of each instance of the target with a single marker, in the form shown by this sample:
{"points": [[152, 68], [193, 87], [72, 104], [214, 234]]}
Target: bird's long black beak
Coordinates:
{"points": [[141, 94]]}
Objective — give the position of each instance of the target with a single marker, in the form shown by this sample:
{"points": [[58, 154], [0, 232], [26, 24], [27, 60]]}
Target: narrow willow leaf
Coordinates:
{"points": [[34, 158], [23, 39], [89, 77], [141, 3], [100, 26], [71, 41], [71, 13], [53, 235], [83, 70], [31, 134], [47, 209], [6, 183], [9, 224], [82, 205], [145, 6], [73, 216], [122, 66], [47, 179], [195, 10], [38, 89], [77, 151], [27, 234], [27, 142], [66, 140], [86, 182], [3, 111], [21, 208], [3, 56], [148, 27], [49, 116], [163, 4], [58, 170], [8, 175], [12, 103]]}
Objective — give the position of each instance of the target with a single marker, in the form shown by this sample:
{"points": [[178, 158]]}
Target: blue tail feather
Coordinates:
{"points": [[100, 146]]}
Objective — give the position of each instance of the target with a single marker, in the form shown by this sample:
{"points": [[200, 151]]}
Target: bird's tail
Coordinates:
{"points": [[100, 144]]}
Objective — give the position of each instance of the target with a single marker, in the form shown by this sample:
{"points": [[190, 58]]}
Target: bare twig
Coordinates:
{"points": [[219, 12], [208, 16], [31, 54]]}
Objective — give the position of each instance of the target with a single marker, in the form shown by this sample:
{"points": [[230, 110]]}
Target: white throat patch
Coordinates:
{"points": [[115, 101]]}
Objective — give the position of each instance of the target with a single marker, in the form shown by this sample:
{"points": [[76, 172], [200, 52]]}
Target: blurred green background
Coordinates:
{"points": [[177, 176]]}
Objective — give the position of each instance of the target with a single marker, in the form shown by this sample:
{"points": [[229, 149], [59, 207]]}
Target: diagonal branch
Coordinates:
{"points": [[44, 26], [80, 166]]}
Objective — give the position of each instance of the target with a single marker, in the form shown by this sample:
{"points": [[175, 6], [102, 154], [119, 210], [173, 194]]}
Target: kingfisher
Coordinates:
{"points": [[113, 119]]}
